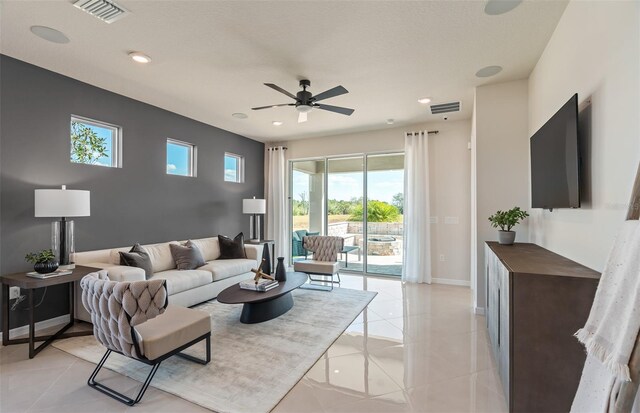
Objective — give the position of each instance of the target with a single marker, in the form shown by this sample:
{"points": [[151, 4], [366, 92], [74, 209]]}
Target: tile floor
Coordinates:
{"points": [[416, 348]]}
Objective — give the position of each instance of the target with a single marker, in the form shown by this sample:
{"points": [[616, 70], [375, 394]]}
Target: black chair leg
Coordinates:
{"points": [[197, 360], [114, 394]]}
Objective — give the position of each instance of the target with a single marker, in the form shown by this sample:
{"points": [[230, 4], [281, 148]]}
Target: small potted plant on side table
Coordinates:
{"points": [[43, 262], [505, 220]]}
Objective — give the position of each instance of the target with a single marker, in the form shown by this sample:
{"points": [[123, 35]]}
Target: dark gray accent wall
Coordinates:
{"points": [[136, 203]]}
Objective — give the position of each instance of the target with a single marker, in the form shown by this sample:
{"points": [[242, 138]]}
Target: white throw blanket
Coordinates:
{"points": [[611, 330]]}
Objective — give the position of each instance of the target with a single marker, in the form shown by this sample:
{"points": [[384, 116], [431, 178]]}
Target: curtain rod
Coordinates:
{"points": [[275, 148], [431, 132]]}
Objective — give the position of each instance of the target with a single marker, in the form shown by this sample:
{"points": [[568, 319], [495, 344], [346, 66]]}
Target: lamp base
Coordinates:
{"points": [[67, 267]]}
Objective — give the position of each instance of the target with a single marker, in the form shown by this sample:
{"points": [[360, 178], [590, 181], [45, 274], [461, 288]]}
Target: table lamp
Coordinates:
{"points": [[254, 207], [62, 203]]}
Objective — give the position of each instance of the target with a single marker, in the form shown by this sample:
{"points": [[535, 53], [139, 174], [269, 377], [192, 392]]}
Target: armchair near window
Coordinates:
{"points": [[135, 320], [325, 258], [297, 248]]}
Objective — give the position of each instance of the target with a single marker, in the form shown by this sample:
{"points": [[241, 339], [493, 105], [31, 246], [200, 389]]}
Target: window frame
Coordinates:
{"points": [[116, 140], [239, 167], [192, 162]]}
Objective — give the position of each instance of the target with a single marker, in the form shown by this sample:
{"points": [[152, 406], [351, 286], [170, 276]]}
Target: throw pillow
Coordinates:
{"points": [[187, 256], [231, 248], [137, 257]]}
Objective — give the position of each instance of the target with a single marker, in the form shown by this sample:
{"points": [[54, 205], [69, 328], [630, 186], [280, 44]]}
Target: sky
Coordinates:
{"points": [[230, 169], [382, 185], [177, 159]]}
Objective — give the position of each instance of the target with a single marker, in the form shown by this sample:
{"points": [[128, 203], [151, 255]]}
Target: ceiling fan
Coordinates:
{"points": [[305, 101]]}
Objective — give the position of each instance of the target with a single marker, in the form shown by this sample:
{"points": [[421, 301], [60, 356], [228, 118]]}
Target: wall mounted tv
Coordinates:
{"points": [[555, 160]]}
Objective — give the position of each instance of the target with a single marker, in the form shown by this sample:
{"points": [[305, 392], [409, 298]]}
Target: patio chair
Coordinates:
{"points": [[297, 249], [325, 258], [135, 320]]}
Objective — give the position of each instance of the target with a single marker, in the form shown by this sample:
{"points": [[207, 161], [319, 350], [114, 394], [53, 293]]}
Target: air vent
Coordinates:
{"points": [[105, 10], [445, 108]]}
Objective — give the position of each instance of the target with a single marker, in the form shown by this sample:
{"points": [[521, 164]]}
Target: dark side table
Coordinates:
{"points": [[269, 260], [29, 284]]}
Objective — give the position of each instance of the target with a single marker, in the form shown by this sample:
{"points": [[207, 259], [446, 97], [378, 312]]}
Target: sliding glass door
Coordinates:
{"points": [[345, 194], [385, 197], [328, 197], [307, 203]]}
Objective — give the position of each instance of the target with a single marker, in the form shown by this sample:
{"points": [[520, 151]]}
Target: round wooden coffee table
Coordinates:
{"points": [[263, 306]]}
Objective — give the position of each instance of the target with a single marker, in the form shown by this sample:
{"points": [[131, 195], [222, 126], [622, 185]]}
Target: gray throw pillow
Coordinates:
{"points": [[187, 256], [137, 257]]}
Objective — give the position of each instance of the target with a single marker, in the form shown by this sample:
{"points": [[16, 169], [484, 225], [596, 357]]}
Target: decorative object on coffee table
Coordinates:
{"points": [[259, 274], [62, 203], [263, 306], [505, 220], [269, 267], [281, 272], [44, 262]]}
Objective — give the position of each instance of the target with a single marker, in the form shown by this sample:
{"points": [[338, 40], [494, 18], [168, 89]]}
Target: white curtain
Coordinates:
{"points": [[416, 267], [276, 195]]}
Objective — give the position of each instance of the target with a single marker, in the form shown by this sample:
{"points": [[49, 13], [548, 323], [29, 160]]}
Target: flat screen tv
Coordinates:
{"points": [[555, 160]]}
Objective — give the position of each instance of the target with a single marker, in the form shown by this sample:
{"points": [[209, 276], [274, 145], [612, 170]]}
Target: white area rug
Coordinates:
{"points": [[253, 366]]}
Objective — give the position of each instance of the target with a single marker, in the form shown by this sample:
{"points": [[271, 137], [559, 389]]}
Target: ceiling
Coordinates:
{"points": [[211, 58]]}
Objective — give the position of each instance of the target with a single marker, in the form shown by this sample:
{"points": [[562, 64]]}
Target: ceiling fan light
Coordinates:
{"points": [[304, 108]]}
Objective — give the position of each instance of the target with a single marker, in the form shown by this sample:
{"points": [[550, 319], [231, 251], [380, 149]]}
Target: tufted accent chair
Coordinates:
{"points": [[325, 258], [136, 320]]}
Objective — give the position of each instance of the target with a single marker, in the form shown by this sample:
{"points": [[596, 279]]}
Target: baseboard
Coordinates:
{"points": [[448, 281], [24, 330], [478, 310]]}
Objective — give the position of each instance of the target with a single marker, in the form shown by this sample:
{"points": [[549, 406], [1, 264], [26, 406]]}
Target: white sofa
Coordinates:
{"points": [[186, 287]]}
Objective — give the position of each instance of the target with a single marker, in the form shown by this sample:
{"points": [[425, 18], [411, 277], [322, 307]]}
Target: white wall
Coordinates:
{"points": [[501, 151], [594, 51], [449, 171]]}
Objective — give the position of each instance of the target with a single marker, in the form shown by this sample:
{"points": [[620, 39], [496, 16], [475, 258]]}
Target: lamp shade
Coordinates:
{"points": [[254, 206], [62, 203]]}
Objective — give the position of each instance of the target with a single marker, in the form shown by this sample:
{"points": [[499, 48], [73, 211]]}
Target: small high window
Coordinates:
{"points": [[233, 168], [181, 158], [95, 143]]}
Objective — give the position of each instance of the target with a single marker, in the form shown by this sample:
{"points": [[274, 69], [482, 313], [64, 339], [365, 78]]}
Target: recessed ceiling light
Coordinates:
{"points": [[139, 57], [424, 101], [277, 123], [390, 121], [489, 71], [47, 33], [497, 7], [239, 115]]}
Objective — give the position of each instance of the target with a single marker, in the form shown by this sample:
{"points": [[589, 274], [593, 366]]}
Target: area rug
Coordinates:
{"points": [[253, 366]]}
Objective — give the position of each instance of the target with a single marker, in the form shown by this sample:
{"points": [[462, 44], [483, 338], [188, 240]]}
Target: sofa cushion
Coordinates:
{"points": [[221, 269], [139, 258], [160, 255], [178, 281], [232, 248], [186, 257], [209, 247], [174, 328], [316, 267]]}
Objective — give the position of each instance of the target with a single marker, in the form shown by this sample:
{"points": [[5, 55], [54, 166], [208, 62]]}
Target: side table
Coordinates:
{"points": [[29, 284], [270, 261]]}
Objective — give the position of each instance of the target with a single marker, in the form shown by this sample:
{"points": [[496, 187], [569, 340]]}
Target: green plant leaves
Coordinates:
{"points": [[505, 220]]}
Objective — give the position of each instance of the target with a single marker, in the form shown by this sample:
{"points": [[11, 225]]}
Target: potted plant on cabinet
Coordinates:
{"points": [[43, 262], [505, 220]]}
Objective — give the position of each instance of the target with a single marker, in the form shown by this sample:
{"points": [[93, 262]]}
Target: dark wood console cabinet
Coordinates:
{"points": [[536, 301]]}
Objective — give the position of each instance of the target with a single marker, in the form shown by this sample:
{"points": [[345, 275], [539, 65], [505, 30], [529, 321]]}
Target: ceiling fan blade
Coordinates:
{"points": [[336, 91], [281, 90], [273, 106], [302, 117], [336, 109]]}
